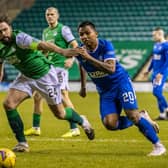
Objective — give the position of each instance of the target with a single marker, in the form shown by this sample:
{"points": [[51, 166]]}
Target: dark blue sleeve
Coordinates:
{"points": [[109, 51]]}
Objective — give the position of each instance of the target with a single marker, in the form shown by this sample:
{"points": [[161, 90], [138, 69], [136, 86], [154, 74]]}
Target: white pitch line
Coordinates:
{"points": [[45, 139]]}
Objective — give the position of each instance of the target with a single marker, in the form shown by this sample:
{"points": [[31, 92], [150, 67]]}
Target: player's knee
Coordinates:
{"points": [[8, 105], [59, 115], [134, 117], [110, 124], [37, 97]]}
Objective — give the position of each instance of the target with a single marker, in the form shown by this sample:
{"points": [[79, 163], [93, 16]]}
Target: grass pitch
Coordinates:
{"points": [[117, 149]]}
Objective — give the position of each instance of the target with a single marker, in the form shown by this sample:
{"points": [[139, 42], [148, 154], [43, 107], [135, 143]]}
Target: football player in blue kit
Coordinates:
{"points": [[97, 58], [159, 68]]}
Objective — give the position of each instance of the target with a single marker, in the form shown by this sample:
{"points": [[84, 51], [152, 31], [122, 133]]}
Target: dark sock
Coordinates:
{"points": [[16, 124], [72, 125], [36, 120], [124, 122], [72, 116]]}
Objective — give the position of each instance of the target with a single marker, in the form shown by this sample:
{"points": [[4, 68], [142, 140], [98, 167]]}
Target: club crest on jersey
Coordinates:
{"points": [[156, 57], [55, 33]]}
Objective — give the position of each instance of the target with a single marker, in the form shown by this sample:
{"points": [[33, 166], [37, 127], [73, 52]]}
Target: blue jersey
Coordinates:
{"points": [[103, 81], [159, 63]]}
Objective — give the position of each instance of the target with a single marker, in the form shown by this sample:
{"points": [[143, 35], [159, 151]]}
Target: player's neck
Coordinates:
{"points": [[52, 25], [163, 40], [92, 47]]}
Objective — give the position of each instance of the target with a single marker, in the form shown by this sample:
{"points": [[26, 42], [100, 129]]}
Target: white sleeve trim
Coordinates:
{"points": [[67, 34], [110, 59], [24, 40]]}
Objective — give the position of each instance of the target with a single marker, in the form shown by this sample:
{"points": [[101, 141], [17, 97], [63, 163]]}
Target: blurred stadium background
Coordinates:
{"points": [[128, 24]]}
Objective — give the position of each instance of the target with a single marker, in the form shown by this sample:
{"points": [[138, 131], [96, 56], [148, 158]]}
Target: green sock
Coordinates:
{"points": [[72, 125], [72, 116], [36, 120], [16, 124]]}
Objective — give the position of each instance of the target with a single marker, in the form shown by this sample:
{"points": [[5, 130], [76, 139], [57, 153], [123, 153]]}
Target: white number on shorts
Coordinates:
{"points": [[52, 92], [128, 96], [60, 77]]}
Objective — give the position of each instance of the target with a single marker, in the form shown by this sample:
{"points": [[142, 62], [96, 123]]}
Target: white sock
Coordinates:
{"points": [[163, 115], [158, 144], [36, 128]]}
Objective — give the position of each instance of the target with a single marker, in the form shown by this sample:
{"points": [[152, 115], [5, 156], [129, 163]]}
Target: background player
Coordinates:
{"points": [[62, 36], [159, 68]]}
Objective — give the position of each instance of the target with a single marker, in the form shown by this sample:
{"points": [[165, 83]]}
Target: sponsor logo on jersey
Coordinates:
{"points": [[97, 74]]}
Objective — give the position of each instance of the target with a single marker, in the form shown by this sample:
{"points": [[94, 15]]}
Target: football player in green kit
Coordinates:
{"points": [[37, 74], [61, 35]]}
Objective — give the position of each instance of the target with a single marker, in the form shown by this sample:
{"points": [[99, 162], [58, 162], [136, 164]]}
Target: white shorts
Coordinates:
{"points": [[63, 77], [48, 86]]}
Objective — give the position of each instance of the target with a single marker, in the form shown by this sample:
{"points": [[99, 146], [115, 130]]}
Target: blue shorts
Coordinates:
{"points": [[121, 96]]}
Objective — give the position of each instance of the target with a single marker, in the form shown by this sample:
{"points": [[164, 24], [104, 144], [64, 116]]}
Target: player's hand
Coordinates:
{"points": [[68, 63], [146, 74], [158, 78], [83, 52], [82, 92]]}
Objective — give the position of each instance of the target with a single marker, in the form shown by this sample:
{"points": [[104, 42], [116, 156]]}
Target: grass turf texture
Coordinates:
{"points": [[117, 149]]}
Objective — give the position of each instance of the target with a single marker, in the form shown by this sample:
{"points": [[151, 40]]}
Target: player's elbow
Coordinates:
{"points": [[111, 70]]}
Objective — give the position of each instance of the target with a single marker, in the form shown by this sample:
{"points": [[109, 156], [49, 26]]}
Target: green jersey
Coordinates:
{"points": [[19, 52], [61, 36]]}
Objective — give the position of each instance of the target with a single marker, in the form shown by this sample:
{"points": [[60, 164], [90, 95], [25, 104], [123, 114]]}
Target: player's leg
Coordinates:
{"points": [[110, 110], [63, 79], [147, 129], [19, 90], [52, 93], [129, 102], [74, 130], [161, 101], [13, 99], [72, 116], [38, 108]]}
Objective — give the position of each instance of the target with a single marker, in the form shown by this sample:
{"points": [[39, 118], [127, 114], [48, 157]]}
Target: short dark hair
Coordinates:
{"points": [[5, 18], [158, 28], [86, 23]]}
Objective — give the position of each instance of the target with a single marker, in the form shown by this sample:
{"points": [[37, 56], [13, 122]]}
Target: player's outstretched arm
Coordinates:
{"points": [[47, 46]]}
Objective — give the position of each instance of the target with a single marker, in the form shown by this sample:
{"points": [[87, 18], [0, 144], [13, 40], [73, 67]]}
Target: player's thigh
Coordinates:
{"points": [[20, 89], [36, 96], [109, 105], [52, 95], [65, 95], [48, 87], [14, 98], [127, 95]]}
